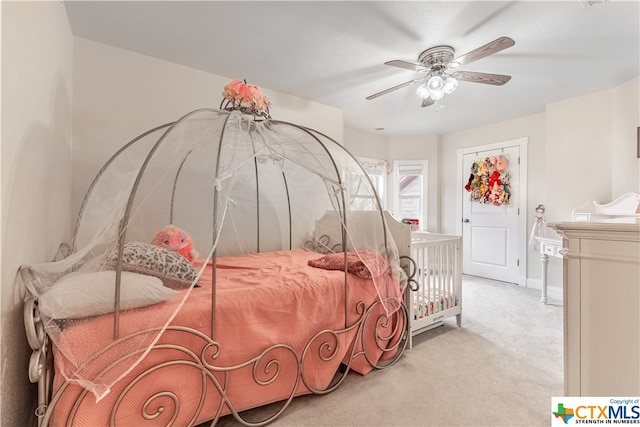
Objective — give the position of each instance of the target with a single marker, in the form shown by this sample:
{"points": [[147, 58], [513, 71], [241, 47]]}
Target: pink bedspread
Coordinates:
{"points": [[262, 300]]}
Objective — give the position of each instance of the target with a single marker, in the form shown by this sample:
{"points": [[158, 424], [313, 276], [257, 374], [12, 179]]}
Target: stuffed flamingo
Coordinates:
{"points": [[177, 240]]}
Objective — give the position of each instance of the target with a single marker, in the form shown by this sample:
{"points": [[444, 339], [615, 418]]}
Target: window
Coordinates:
{"points": [[361, 196], [410, 191]]}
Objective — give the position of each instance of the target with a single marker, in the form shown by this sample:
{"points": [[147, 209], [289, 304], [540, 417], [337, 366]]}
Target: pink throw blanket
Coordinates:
{"points": [[364, 264]]}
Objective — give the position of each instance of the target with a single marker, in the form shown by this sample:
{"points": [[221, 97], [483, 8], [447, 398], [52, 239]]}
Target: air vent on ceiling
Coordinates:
{"points": [[588, 3]]}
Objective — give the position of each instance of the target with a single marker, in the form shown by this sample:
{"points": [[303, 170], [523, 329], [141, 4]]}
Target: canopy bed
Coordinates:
{"points": [[216, 266]]}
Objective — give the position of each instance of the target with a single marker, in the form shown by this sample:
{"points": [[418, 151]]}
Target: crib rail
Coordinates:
{"points": [[437, 292]]}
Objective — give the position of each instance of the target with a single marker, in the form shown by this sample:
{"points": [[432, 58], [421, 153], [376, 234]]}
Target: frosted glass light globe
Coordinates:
{"points": [[435, 83], [437, 94], [450, 84], [423, 91]]}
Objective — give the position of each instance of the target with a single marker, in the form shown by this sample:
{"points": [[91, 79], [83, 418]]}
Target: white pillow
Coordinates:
{"points": [[91, 294]]}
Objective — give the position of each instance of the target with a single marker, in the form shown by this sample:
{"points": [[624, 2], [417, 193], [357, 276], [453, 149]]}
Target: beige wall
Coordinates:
{"points": [[591, 148], [590, 154], [36, 88], [579, 152], [363, 144], [625, 119], [119, 94]]}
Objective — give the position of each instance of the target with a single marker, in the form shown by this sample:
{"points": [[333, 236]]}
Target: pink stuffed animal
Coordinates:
{"points": [[176, 240]]}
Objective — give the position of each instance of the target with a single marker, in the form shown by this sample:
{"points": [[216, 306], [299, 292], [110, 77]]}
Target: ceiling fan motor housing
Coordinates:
{"points": [[435, 60]]}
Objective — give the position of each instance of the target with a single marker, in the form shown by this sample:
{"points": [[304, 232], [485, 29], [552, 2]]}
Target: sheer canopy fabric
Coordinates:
{"points": [[236, 184]]}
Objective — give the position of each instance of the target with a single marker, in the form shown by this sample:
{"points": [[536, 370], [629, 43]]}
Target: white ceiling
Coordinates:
{"points": [[334, 52]]}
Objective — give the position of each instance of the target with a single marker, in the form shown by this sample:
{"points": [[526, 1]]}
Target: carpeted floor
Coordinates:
{"points": [[501, 368]]}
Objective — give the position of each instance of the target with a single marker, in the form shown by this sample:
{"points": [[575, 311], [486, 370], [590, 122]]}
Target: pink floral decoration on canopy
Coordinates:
{"points": [[238, 95]]}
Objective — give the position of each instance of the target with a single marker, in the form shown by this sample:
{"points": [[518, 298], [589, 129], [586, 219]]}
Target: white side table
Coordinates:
{"points": [[548, 247]]}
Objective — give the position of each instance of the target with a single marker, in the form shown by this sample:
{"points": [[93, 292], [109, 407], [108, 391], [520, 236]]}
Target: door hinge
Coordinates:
{"points": [[518, 211], [518, 263]]}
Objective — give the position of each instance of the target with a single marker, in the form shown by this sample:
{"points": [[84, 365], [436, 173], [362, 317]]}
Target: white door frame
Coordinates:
{"points": [[522, 199]]}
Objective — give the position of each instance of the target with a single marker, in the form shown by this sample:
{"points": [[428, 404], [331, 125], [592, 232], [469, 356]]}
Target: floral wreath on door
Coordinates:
{"points": [[489, 181]]}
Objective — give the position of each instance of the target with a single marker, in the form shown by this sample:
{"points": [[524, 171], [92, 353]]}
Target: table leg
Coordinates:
{"points": [[545, 260]]}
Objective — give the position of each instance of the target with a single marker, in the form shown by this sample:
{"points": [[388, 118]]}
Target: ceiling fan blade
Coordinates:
{"points": [[426, 102], [406, 65], [486, 78], [391, 89], [490, 48]]}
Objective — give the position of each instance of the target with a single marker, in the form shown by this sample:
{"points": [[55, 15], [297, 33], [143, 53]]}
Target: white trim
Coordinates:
{"points": [[522, 199], [395, 205], [381, 166]]}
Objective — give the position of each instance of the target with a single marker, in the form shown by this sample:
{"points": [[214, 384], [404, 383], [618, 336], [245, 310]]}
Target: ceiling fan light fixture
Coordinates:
{"points": [[435, 83], [439, 68], [423, 91], [437, 94], [450, 84]]}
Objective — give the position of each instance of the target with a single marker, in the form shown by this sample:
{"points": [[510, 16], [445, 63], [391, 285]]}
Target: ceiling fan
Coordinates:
{"points": [[441, 74]]}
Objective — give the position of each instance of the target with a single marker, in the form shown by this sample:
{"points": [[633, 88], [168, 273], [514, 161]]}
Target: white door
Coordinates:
{"points": [[490, 233]]}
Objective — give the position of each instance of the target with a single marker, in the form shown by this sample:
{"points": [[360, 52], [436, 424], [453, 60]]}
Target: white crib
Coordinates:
{"points": [[435, 289]]}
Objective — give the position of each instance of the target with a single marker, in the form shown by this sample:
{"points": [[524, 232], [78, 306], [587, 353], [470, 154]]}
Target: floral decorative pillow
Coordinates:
{"points": [[172, 268]]}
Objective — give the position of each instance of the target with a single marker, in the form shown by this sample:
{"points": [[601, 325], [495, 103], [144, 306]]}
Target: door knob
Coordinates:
{"points": [[465, 220]]}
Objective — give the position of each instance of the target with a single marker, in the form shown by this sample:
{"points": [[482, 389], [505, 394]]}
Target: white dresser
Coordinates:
{"points": [[601, 307]]}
